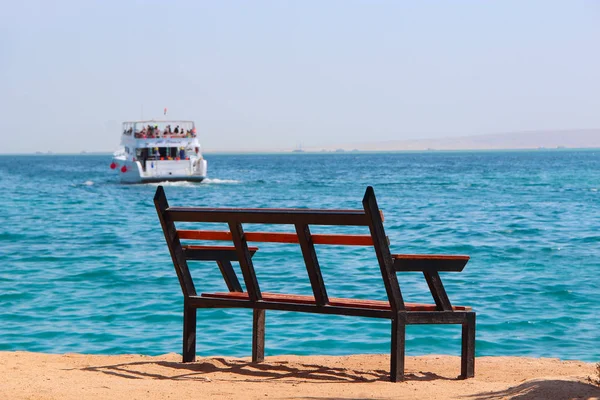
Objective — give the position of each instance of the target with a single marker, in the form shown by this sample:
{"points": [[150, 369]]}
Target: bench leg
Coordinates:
{"points": [[189, 333], [258, 336], [467, 362], [397, 354]]}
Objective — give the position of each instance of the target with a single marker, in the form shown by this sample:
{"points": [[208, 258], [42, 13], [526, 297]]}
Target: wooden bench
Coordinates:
{"points": [[395, 309]]}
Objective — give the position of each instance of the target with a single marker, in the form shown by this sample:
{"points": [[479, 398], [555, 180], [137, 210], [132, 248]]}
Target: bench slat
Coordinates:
{"points": [[229, 275], [269, 216], [244, 257], [278, 237], [311, 261], [217, 248], [339, 302], [429, 262]]}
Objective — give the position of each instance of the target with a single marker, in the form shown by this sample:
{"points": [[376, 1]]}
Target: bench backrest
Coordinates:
{"points": [[369, 216]]}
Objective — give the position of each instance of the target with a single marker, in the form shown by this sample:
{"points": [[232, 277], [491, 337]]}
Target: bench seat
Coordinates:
{"points": [[338, 302]]}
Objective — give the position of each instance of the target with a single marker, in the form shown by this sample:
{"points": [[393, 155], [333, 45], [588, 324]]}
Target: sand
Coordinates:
{"points": [[32, 376]]}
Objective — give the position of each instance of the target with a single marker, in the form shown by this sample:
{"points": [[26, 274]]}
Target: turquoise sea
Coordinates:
{"points": [[84, 266]]}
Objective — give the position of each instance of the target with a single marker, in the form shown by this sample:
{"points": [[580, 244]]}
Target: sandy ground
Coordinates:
{"points": [[78, 376]]}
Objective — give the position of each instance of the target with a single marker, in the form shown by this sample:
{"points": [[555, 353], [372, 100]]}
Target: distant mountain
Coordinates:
{"points": [[581, 138]]}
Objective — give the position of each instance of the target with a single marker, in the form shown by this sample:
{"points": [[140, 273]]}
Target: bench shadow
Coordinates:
{"points": [[542, 389], [248, 371]]}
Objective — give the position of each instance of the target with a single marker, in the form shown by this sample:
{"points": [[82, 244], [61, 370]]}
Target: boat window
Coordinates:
{"points": [[165, 153]]}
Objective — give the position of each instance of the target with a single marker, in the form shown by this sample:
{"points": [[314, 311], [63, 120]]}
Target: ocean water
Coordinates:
{"points": [[84, 266]]}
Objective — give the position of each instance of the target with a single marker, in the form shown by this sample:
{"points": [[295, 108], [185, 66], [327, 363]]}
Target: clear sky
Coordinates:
{"points": [[266, 74]]}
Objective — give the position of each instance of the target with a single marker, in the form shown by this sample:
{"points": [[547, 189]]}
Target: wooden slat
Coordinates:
{"points": [[207, 302], [429, 262], [204, 235], [438, 317], [312, 264], [338, 302], [217, 248], [278, 237], [245, 260], [229, 275], [269, 216], [431, 257], [436, 287]]}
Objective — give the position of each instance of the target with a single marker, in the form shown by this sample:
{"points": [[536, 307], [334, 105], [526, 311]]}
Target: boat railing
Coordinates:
{"points": [[139, 135], [164, 158]]}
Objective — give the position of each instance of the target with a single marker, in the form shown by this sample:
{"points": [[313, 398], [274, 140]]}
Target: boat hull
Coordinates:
{"points": [[160, 171], [172, 179]]}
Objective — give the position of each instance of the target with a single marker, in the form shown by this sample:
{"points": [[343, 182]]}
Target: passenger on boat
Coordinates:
{"points": [[182, 153], [177, 129], [143, 154]]}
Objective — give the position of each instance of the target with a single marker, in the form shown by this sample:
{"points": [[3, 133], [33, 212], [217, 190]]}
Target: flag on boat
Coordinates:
{"points": [[165, 111]]}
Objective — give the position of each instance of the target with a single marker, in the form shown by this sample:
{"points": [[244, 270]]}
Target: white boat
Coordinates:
{"points": [[158, 151]]}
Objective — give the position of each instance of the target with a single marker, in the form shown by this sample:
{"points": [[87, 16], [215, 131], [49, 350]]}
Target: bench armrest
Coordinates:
{"points": [[213, 253], [429, 262]]}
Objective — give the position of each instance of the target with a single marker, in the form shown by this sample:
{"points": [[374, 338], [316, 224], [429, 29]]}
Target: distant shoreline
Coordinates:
{"points": [[330, 152], [552, 140]]}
